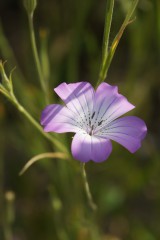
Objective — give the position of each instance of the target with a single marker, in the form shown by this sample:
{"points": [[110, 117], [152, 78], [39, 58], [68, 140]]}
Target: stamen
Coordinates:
{"points": [[100, 123], [93, 115], [91, 130]]}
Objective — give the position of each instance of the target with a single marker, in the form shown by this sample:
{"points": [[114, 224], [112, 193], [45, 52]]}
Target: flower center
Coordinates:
{"points": [[94, 123], [91, 130]]}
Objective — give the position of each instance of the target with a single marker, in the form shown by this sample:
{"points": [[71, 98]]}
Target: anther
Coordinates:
{"points": [[100, 123], [93, 115]]}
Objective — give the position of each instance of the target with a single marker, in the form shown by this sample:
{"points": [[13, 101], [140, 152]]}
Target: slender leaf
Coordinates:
{"points": [[42, 156]]}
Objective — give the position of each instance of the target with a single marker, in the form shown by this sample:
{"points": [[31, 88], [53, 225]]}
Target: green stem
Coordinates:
{"points": [[45, 66], [107, 27], [116, 40], [87, 189], [36, 58], [57, 143], [111, 52], [8, 92]]}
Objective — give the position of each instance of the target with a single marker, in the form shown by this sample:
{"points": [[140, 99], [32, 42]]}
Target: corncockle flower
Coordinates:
{"points": [[94, 117]]}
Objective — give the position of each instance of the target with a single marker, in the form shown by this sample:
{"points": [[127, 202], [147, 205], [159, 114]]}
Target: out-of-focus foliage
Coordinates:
{"points": [[48, 201]]}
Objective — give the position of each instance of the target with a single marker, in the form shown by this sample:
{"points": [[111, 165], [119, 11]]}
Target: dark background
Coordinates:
{"points": [[50, 201]]}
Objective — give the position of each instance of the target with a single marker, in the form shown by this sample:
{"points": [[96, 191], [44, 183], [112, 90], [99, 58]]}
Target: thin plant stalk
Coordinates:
{"points": [[116, 40], [57, 143], [107, 27], [42, 156], [36, 57], [7, 90], [45, 65], [87, 189], [107, 59]]}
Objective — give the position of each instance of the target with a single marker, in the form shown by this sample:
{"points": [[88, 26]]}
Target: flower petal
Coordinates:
{"points": [[79, 98], [57, 118], [81, 147], [128, 131], [86, 148], [101, 149], [109, 104], [85, 94]]}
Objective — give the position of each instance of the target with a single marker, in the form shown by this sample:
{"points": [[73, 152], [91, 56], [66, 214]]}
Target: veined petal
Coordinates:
{"points": [[79, 98], [86, 148], [85, 94], [101, 149], [81, 147], [109, 104], [128, 131], [57, 118]]}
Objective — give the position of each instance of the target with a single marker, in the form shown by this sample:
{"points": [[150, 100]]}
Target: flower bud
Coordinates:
{"points": [[30, 5]]}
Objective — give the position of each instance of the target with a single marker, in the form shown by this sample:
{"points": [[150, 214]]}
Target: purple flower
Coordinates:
{"points": [[94, 117]]}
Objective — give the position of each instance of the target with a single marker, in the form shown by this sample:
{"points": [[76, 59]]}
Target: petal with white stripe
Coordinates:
{"points": [[57, 118], [109, 104], [86, 148], [79, 98], [128, 131]]}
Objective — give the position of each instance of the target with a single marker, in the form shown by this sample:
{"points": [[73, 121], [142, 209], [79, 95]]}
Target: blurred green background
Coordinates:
{"points": [[48, 202]]}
